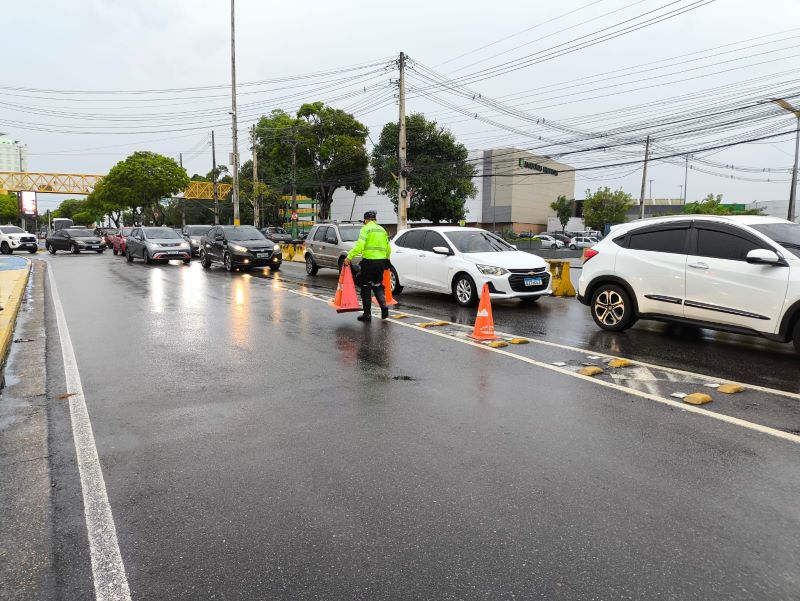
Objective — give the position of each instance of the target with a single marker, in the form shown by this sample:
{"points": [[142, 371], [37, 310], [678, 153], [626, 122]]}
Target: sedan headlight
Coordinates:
{"points": [[491, 270], [276, 248], [238, 249], [80, 242]]}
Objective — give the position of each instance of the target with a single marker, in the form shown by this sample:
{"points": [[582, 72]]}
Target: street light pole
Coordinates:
{"points": [[234, 126], [793, 192], [644, 176]]}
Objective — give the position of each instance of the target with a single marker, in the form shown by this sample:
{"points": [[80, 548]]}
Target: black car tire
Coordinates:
{"points": [[50, 248], [204, 260], [228, 261], [275, 267], [612, 308], [146, 257], [33, 251], [554, 246], [311, 267], [101, 251], [796, 336], [341, 263], [465, 293], [187, 261], [75, 250], [128, 257], [395, 282], [573, 247], [5, 248]]}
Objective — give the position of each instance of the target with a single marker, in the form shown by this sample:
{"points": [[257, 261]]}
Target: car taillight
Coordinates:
{"points": [[589, 253]]}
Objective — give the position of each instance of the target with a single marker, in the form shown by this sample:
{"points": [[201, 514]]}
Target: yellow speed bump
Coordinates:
{"points": [[399, 316], [519, 341], [431, 324], [590, 371], [697, 398], [497, 344], [731, 388], [620, 363]]}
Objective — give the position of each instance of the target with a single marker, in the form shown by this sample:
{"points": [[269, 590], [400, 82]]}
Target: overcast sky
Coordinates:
{"points": [[112, 45]]}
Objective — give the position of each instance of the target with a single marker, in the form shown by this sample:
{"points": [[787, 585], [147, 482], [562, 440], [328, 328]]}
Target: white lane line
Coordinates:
{"points": [[566, 372], [108, 571]]}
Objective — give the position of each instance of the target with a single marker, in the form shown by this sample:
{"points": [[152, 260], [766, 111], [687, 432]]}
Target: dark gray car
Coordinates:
{"points": [[152, 244], [193, 234]]}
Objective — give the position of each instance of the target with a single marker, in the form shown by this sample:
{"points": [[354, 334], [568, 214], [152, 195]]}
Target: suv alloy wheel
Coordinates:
{"points": [[311, 267], [612, 308]]}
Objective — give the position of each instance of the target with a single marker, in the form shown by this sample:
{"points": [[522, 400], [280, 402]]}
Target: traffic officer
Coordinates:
{"points": [[373, 246]]}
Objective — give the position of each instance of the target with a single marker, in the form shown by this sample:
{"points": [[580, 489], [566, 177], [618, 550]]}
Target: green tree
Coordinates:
{"points": [[83, 218], [9, 208], [109, 199], [69, 206], [605, 207], [440, 178], [147, 177], [563, 209], [712, 205], [331, 146]]}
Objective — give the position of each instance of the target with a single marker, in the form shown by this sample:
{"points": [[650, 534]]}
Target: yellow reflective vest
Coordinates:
{"points": [[373, 243]]}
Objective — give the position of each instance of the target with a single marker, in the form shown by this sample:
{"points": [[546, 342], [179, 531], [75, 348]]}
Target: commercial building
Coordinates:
{"points": [[514, 191], [13, 154]]}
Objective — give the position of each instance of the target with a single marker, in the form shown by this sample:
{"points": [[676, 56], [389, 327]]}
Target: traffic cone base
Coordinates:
{"points": [[387, 290], [484, 322], [346, 299]]}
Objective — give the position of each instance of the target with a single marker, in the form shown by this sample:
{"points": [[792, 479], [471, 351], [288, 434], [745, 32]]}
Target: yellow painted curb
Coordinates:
{"points": [[731, 388], [620, 363], [12, 289], [519, 341], [590, 371], [697, 398]]}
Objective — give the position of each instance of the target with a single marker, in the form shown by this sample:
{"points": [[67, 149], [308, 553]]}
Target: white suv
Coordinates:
{"points": [[15, 238], [739, 274]]}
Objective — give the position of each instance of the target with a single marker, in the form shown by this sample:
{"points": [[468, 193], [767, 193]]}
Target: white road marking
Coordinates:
{"points": [[108, 571], [624, 389]]}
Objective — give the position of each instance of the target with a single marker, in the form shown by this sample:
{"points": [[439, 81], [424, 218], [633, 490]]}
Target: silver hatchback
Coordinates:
{"points": [[327, 245]]}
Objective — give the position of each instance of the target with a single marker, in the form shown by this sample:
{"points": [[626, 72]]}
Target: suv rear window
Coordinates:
{"points": [[663, 241]]}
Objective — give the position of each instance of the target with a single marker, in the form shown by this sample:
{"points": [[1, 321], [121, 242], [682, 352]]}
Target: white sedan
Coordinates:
{"points": [[460, 260]]}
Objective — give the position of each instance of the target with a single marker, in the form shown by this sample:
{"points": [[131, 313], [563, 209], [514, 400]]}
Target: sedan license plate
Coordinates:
{"points": [[262, 255], [533, 281], [94, 246]]}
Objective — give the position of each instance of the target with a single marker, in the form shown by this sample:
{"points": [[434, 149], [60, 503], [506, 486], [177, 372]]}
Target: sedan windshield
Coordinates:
{"points": [[478, 242], [197, 230], [349, 233], [12, 229], [276, 230], [81, 234], [785, 234], [243, 233], [160, 233]]}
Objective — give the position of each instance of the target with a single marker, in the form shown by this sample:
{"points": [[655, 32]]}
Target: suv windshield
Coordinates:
{"points": [[12, 229], [243, 233], [160, 233], [81, 233], [197, 230], [478, 242], [785, 234], [349, 233], [276, 230]]}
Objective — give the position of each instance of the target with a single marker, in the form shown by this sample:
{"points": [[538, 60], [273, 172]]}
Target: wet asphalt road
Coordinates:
{"points": [[256, 445]]}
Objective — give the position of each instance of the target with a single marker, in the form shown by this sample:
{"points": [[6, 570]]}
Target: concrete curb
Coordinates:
{"points": [[12, 289]]}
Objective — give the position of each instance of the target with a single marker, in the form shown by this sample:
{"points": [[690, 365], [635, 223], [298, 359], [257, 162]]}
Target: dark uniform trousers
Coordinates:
{"points": [[371, 277]]}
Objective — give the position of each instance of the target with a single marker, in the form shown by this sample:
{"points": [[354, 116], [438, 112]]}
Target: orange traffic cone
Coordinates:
{"points": [[346, 298], [387, 290], [484, 323]]}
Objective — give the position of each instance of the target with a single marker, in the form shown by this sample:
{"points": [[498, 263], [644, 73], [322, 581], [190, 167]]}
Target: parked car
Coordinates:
{"points": [[74, 240], [559, 236], [239, 247], [460, 260], [118, 240], [733, 273], [527, 234], [193, 234], [549, 241], [156, 244], [327, 245], [582, 242], [15, 238], [277, 234]]}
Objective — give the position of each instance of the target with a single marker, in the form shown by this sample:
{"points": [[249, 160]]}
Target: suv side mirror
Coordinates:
{"points": [[442, 250], [763, 256]]}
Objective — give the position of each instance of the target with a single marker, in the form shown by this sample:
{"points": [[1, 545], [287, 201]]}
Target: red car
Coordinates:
{"points": [[118, 240]]}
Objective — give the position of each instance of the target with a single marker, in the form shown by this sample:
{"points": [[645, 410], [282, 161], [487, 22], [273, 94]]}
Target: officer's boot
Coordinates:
{"points": [[381, 296], [366, 303]]}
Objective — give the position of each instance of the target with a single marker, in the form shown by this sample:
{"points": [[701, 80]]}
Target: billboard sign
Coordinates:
{"points": [[27, 203]]}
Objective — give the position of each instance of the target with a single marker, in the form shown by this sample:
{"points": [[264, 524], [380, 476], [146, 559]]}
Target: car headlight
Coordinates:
{"points": [[237, 248], [491, 270], [276, 248], [80, 242]]}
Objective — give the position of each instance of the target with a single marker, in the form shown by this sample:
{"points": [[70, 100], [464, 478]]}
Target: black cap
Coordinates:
{"points": [[370, 215]]}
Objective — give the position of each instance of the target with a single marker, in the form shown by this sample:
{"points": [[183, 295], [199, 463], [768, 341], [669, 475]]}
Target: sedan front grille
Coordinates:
{"points": [[517, 281], [533, 269]]}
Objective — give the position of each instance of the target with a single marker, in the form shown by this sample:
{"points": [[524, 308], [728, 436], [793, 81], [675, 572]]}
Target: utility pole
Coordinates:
{"points": [[644, 176], [793, 192], [256, 213], [681, 194], [402, 179], [685, 179], [234, 127], [214, 179], [294, 184], [651, 192], [183, 200]]}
